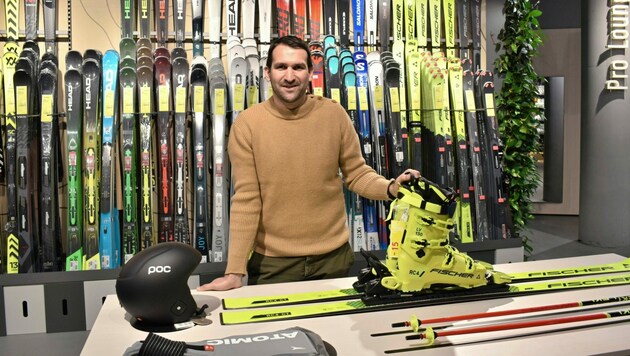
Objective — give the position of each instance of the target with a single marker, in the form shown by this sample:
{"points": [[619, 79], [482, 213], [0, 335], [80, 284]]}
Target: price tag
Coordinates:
{"points": [[395, 99], [379, 103], [239, 97], [219, 102], [127, 100], [21, 93], [199, 97], [108, 103], [438, 92], [352, 98], [9, 98], [335, 95], [180, 100], [145, 100], [363, 98], [458, 102], [47, 108], [470, 100], [489, 104], [252, 96], [163, 91]]}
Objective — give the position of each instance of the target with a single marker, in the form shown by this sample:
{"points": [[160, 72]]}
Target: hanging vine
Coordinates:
{"points": [[519, 117]]}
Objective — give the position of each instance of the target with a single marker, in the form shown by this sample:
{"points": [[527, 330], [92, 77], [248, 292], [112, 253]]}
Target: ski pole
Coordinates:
{"points": [[415, 323], [431, 335]]}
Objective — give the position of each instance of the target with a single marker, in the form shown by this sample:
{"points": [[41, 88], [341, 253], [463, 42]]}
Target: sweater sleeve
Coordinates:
{"points": [[359, 177], [246, 205]]}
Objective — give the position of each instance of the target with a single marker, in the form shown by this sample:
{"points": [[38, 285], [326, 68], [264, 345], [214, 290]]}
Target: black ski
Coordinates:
{"points": [[498, 218], [179, 17], [180, 93], [463, 27], [164, 144], [31, 19], [343, 23], [475, 17], [91, 157], [398, 155], [198, 98], [130, 237], [197, 26], [477, 173], [127, 9], [329, 17], [49, 140], [145, 18], [25, 93], [50, 25], [161, 22]]}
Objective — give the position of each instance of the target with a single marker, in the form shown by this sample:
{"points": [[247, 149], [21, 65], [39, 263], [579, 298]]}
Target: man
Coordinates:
{"points": [[288, 205]]}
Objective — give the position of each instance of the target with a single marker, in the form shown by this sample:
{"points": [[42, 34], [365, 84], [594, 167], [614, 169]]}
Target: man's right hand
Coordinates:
{"points": [[227, 282]]}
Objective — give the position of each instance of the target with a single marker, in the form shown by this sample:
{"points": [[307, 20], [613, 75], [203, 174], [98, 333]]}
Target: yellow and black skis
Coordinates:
{"points": [[312, 304]]}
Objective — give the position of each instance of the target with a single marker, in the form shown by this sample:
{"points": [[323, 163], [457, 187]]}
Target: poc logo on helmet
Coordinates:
{"points": [[159, 269]]}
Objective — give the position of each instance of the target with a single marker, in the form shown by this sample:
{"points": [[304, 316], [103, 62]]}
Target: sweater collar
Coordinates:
{"points": [[287, 114]]}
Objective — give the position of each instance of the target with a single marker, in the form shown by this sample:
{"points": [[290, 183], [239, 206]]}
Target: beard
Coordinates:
{"points": [[290, 93]]}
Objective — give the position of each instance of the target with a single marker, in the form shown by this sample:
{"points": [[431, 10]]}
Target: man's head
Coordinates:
{"points": [[289, 68], [293, 42]]}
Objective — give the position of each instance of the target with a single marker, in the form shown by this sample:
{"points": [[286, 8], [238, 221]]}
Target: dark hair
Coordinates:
{"points": [[293, 42]]}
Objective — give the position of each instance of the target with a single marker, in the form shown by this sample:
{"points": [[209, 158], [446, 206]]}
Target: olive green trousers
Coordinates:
{"points": [[263, 269]]}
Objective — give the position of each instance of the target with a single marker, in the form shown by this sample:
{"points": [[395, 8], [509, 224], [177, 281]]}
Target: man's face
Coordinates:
{"points": [[289, 75]]}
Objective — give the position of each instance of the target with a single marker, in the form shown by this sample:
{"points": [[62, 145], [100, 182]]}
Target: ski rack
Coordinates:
{"points": [[40, 35]]}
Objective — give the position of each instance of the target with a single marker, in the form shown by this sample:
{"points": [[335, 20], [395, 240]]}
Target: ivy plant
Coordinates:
{"points": [[519, 117]]}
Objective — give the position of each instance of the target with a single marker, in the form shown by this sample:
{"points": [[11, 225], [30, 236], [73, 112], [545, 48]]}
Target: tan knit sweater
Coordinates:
{"points": [[288, 197]]}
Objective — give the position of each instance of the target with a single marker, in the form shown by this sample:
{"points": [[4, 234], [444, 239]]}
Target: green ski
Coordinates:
{"points": [[130, 236], [74, 116]]}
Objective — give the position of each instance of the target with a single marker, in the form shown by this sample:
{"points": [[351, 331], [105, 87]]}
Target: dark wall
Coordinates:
{"points": [[560, 14]]}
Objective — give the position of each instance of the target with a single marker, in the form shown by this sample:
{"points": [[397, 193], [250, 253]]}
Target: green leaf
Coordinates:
{"points": [[520, 39]]}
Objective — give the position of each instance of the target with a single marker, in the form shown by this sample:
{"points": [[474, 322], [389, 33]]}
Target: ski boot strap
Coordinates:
{"points": [[452, 253], [423, 218], [431, 199], [432, 243], [431, 192], [444, 225]]}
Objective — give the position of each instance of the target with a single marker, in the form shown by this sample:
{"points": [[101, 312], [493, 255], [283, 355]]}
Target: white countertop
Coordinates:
{"points": [[351, 334]]}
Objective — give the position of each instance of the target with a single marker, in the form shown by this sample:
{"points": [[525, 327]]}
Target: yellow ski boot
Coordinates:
{"points": [[420, 257]]}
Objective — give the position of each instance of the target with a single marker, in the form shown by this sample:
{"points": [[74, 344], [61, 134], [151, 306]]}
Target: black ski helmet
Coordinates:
{"points": [[153, 285]]}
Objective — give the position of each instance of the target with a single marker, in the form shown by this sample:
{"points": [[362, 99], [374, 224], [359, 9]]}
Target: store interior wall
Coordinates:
{"points": [[604, 189], [560, 56]]}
